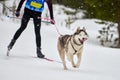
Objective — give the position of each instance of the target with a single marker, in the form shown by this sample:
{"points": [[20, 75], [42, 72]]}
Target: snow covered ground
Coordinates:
{"points": [[98, 62]]}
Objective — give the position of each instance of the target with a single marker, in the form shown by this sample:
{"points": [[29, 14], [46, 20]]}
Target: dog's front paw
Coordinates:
{"points": [[65, 68], [77, 66], [74, 66]]}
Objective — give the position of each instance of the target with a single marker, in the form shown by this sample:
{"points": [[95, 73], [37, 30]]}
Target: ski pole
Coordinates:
{"points": [[30, 19], [45, 20]]}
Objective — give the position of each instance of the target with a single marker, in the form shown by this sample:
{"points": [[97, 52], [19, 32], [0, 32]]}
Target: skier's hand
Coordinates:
{"points": [[52, 21], [17, 13]]}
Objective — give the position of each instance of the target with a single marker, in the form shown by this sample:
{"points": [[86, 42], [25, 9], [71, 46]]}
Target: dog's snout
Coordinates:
{"points": [[84, 39]]}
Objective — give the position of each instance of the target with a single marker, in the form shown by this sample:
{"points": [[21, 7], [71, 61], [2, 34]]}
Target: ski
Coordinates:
{"points": [[51, 60], [44, 21], [8, 51], [47, 59]]}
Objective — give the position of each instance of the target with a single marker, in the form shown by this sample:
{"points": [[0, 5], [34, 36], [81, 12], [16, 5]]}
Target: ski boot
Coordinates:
{"points": [[10, 46], [39, 53]]}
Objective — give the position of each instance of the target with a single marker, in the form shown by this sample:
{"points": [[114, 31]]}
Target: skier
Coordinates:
{"points": [[33, 9]]}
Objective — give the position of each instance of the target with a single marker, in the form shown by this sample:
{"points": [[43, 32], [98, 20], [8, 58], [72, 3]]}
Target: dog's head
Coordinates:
{"points": [[80, 35]]}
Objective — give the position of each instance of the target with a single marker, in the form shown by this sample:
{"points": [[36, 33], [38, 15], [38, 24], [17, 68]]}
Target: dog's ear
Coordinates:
{"points": [[84, 28], [78, 29]]}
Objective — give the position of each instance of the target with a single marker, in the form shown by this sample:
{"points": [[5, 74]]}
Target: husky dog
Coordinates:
{"points": [[70, 45]]}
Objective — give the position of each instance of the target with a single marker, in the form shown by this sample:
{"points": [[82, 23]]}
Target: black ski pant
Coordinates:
{"points": [[37, 25]]}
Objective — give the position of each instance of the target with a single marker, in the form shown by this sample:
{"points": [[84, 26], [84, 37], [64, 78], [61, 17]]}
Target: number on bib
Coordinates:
{"points": [[35, 4]]}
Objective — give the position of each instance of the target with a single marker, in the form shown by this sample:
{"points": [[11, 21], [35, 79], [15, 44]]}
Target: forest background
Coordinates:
{"points": [[107, 11]]}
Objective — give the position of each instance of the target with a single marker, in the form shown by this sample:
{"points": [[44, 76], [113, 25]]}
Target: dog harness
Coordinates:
{"points": [[75, 51], [66, 39], [35, 5]]}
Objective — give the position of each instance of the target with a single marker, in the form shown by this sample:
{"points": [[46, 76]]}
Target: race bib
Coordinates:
{"points": [[35, 4]]}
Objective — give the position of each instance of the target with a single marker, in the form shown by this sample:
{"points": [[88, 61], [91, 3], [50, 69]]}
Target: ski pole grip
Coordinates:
{"points": [[52, 21]]}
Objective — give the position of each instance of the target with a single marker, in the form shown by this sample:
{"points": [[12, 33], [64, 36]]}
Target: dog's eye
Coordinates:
{"points": [[80, 34]]}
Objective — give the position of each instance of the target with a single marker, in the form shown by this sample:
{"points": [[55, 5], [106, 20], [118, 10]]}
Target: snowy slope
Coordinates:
{"points": [[98, 63]]}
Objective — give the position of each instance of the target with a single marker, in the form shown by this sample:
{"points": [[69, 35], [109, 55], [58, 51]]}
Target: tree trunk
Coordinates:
{"points": [[119, 23], [119, 33]]}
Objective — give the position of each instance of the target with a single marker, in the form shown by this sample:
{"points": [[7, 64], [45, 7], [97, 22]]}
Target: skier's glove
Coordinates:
{"points": [[52, 22], [17, 13]]}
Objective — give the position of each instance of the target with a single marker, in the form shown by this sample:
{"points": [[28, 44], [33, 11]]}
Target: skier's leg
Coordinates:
{"points": [[24, 23], [37, 26]]}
